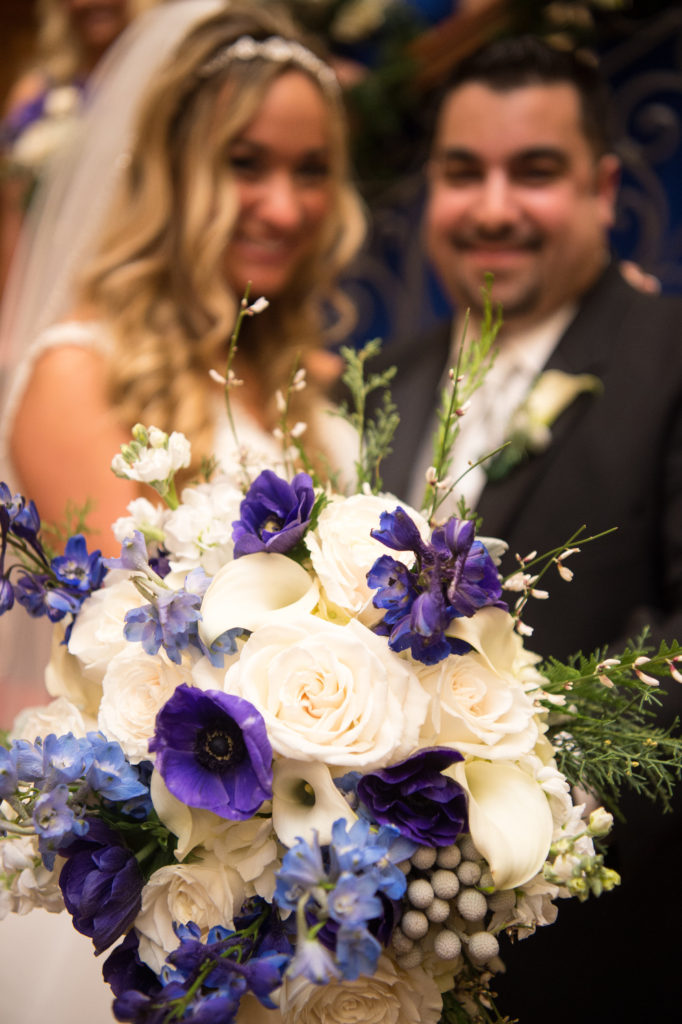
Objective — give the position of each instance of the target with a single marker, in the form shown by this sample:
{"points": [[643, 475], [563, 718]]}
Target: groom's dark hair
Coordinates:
{"points": [[516, 61]]}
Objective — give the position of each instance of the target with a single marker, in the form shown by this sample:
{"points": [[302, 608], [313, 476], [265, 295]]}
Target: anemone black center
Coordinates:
{"points": [[217, 749]]}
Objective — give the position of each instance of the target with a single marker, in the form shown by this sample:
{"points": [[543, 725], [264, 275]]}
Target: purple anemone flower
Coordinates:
{"points": [[212, 750], [417, 799], [274, 514]]}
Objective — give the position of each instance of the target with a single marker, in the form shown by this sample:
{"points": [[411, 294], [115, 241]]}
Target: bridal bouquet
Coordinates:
{"points": [[299, 764]]}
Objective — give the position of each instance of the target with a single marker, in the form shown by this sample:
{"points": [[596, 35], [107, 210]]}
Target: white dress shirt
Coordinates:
{"points": [[484, 426]]}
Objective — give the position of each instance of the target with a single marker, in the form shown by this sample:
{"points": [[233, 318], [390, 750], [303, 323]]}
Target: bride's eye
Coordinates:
{"points": [[245, 163]]}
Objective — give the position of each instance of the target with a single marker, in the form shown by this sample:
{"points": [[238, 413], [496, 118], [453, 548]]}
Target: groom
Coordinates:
{"points": [[522, 185]]}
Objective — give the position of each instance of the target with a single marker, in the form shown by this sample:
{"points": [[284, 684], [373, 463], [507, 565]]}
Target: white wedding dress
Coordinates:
{"points": [[48, 971]]}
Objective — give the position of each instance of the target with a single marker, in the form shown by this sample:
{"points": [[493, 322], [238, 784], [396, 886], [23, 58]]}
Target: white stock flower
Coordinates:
{"points": [[249, 846], [24, 881], [343, 551], [390, 996], [304, 798], [97, 633], [157, 460], [330, 693], [134, 689], [253, 591], [510, 819], [206, 892], [59, 716], [479, 704], [199, 531], [142, 514]]}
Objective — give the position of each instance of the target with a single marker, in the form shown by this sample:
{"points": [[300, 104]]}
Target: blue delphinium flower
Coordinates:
{"points": [[8, 774], [274, 515], [77, 568], [213, 752], [55, 823], [452, 576], [415, 797], [302, 870], [359, 881], [357, 952], [101, 883], [109, 773], [65, 758], [313, 961]]}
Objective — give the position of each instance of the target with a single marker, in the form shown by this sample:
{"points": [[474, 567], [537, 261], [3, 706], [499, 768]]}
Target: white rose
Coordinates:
{"points": [[64, 677], [199, 531], [247, 846], [389, 996], [330, 693], [479, 705], [134, 689], [206, 892], [343, 551], [59, 716], [97, 633]]}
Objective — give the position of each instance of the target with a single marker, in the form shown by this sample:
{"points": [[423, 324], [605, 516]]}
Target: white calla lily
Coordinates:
{"points": [[304, 798], [253, 591], [510, 819]]}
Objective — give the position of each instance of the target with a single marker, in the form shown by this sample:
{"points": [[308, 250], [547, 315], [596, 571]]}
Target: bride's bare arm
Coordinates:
{"points": [[63, 439]]}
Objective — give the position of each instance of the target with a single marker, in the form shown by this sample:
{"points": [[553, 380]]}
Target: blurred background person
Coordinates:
{"points": [[237, 172], [43, 105]]}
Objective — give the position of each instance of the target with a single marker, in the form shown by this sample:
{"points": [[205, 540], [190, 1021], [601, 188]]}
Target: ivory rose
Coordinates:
{"points": [[479, 703], [389, 996], [59, 716], [206, 892], [247, 846], [97, 633], [330, 693], [343, 551], [135, 687]]}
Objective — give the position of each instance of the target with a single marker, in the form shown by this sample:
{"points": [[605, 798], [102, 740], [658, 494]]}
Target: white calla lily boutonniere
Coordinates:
{"points": [[529, 431]]}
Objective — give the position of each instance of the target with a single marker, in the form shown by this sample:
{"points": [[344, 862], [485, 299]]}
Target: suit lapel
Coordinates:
{"points": [[583, 348]]}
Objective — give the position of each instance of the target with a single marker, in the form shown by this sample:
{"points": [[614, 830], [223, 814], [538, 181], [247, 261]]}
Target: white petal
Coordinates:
{"points": [[291, 816], [253, 591], [510, 819]]}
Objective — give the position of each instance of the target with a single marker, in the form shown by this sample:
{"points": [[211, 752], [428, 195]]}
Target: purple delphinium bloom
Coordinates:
{"points": [[416, 798], [101, 883], [357, 952], [274, 515], [80, 570], [212, 750], [6, 595], [452, 576]]}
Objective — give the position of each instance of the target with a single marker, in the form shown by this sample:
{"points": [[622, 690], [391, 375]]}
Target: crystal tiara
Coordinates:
{"points": [[278, 50]]}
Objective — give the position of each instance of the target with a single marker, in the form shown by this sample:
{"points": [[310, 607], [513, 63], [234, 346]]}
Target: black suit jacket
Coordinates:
{"points": [[615, 460]]}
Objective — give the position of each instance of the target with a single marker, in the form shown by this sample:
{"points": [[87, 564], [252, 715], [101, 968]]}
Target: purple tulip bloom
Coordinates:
{"points": [[274, 514], [213, 752], [417, 799], [101, 883]]}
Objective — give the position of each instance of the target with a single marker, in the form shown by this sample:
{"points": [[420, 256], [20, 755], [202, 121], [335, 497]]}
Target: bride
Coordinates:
{"points": [[236, 173]]}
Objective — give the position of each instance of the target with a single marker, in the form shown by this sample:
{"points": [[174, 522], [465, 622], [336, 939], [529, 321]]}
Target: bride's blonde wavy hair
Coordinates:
{"points": [[158, 279]]}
